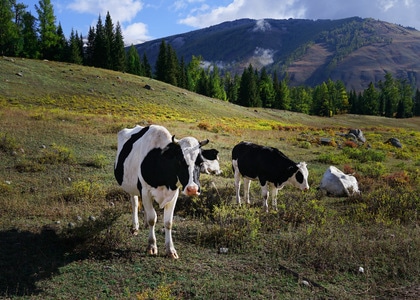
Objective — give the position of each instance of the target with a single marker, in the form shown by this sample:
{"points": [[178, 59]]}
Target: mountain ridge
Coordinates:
{"points": [[354, 50]]}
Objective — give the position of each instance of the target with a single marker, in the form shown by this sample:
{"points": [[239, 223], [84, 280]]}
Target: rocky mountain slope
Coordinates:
{"points": [[355, 50]]}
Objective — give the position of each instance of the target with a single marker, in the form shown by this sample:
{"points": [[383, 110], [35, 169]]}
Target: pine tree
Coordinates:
{"points": [[109, 38], [161, 61], [47, 29], [266, 89], [172, 66], [118, 51], [133, 61], [99, 53], [416, 109], [61, 50], [194, 72], [74, 46], [30, 47], [370, 103], [9, 33], [215, 84], [88, 57], [147, 68], [248, 90]]}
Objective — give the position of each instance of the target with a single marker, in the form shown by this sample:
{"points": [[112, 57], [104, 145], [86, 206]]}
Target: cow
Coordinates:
{"points": [[210, 163], [336, 183], [149, 163], [270, 166]]}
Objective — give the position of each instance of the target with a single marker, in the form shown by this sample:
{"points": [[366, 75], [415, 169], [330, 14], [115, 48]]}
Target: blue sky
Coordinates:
{"points": [[143, 20]]}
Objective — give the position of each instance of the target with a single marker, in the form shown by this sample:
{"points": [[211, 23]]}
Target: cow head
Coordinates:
{"points": [[300, 177], [210, 164], [189, 173]]}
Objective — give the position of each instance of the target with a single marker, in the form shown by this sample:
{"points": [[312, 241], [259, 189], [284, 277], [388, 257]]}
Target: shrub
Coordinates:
{"points": [[397, 179], [388, 205], [305, 145], [83, 191], [332, 158], [8, 143], [56, 154], [99, 161], [373, 170], [234, 227], [364, 155], [29, 166]]}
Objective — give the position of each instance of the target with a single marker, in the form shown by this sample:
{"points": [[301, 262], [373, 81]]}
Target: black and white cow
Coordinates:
{"points": [[210, 163], [149, 163], [270, 166]]}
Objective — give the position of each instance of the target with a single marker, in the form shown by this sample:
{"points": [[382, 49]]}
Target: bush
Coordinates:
{"points": [[83, 191], [234, 227], [8, 144], [372, 170], [56, 154], [388, 205], [364, 155]]}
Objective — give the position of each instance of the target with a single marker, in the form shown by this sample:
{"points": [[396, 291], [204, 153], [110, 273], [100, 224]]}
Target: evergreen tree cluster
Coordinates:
{"points": [[24, 35]]}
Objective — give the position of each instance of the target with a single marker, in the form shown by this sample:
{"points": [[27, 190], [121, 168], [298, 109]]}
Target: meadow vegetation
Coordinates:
{"points": [[65, 223]]}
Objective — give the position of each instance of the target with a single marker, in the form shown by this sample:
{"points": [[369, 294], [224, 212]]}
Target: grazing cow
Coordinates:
{"points": [[270, 166], [148, 164], [336, 183], [210, 163]]}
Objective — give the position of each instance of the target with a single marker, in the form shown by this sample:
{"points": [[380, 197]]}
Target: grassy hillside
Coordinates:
{"points": [[64, 222]]}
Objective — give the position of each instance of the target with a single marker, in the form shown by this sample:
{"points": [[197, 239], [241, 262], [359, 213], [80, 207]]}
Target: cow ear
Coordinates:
{"points": [[204, 142]]}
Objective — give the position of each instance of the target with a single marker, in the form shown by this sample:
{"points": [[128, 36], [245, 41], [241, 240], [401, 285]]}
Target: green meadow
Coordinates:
{"points": [[65, 223]]}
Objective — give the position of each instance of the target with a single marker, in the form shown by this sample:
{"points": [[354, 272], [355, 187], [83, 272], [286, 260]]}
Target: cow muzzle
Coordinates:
{"points": [[192, 190]]}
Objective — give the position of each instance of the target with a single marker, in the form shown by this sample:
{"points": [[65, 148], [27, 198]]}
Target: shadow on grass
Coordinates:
{"points": [[27, 257]]}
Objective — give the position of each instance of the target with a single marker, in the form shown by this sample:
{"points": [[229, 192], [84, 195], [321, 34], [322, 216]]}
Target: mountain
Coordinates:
{"points": [[356, 51]]}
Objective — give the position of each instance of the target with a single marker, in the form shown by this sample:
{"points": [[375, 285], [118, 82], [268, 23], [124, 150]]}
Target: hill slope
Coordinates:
{"points": [[354, 50]]}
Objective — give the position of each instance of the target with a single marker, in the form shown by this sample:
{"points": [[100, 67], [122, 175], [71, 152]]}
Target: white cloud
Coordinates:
{"points": [[395, 11], [237, 9], [135, 33], [120, 10], [264, 56], [261, 25]]}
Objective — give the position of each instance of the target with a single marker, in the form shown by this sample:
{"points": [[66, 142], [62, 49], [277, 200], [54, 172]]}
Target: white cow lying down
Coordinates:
{"points": [[336, 183]]}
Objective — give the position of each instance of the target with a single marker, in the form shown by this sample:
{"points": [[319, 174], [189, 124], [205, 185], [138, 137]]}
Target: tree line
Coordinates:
{"points": [[24, 35]]}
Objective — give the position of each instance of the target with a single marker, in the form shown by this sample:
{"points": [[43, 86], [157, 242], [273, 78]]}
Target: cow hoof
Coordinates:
{"points": [[152, 250], [134, 231], [173, 255]]}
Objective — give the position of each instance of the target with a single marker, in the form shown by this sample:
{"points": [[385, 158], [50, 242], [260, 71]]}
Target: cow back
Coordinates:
{"points": [[265, 163]]}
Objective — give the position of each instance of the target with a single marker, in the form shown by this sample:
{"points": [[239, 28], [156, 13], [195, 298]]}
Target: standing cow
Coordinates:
{"points": [[270, 166], [148, 164]]}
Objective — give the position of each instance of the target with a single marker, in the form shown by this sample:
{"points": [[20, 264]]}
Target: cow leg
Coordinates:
{"points": [[264, 194], [135, 215], [274, 191], [151, 218], [168, 214], [237, 176], [247, 185]]}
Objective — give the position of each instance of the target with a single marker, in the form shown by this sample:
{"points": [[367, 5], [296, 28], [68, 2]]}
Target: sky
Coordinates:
{"points": [[144, 20]]}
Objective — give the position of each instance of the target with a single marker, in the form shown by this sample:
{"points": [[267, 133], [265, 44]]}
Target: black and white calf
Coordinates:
{"points": [[270, 166], [149, 163], [210, 163]]}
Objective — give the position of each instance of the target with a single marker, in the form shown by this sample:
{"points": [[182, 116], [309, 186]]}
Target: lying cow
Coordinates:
{"points": [[210, 163], [336, 183], [270, 166], [148, 164]]}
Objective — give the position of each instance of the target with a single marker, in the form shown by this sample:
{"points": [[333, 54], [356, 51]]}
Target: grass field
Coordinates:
{"points": [[65, 223]]}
